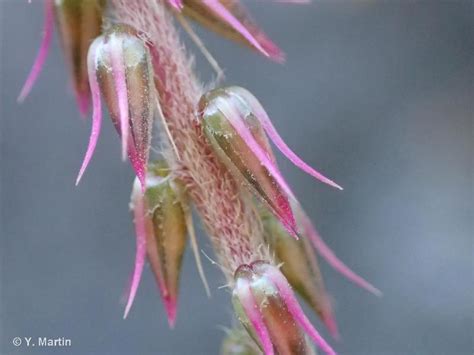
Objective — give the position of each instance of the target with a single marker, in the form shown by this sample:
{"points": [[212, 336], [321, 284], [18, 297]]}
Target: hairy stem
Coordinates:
{"points": [[230, 219]]}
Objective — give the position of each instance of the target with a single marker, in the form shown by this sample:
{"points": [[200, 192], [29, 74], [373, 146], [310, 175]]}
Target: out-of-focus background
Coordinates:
{"points": [[376, 94]]}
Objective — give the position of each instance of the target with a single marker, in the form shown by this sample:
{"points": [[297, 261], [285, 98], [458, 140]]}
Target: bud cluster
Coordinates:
{"points": [[222, 164]]}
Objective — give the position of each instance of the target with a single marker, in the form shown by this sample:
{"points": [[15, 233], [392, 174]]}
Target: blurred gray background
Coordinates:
{"points": [[377, 95]]}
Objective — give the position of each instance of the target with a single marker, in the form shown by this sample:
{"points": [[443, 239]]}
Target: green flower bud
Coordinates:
{"points": [[266, 307]]}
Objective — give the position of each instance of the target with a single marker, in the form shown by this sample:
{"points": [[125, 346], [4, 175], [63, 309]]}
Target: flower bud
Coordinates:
{"points": [[300, 267], [166, 245], [120, 68], [79, 23], [230, 19], [237, 138], [235, 124], [265, 305], [162, 223]]}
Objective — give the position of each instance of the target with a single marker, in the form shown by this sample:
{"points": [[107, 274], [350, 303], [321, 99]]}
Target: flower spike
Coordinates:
{"points": [[236, 140], [268, 310], [120, 62], [300, 267], [42, 52]]}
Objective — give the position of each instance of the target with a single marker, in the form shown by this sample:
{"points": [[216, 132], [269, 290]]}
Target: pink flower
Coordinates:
{"points": [[120, 68], [235, 124], [162, 221], [266, 306]]}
